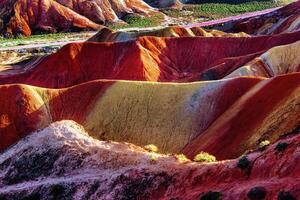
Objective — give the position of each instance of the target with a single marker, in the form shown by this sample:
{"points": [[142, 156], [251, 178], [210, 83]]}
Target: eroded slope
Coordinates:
{"points": [[182, 59], [62, 161], [190, 117]]}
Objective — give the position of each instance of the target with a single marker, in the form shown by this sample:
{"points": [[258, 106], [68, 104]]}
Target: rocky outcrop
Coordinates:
{"points": [[30, 16], [109, 35], [108, 11], [63, 162]]}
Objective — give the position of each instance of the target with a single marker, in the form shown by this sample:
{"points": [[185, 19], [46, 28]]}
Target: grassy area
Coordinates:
{"points": [[140, 22], [6, 42], [220, 10]]}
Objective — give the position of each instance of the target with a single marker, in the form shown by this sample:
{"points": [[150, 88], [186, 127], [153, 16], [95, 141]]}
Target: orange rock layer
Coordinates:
{"points": [[225, 118], [182, 59]]}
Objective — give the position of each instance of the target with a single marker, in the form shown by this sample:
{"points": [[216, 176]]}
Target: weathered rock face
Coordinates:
{"points": [[63, 162], [175, 117], [158, 59], [107, 10], [28, 16], [108, 35]]}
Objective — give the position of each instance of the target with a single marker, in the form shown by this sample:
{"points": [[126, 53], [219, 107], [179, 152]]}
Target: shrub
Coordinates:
{"points": [[263, 144], [204, 157], [243, 163], [182, 157], [211, 195], [151, 148], [281, 146], [282, 195], [153, 158], [257, 193]]}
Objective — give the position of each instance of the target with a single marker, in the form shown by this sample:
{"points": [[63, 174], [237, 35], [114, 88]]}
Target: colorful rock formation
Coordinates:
{"points": [[63, 162], [107, 11], [237, 98], [182, 59], [28, 16], [172, 116]]}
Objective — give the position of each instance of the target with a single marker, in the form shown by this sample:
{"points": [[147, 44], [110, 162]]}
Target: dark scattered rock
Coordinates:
{"points": [[58, 191], [3, 197], [32, 196], [5, 164], [30, 166], [257, 193], [142, 186], [209, 75], [211, 195], [282, 195], [281, 146], [92, 190], [243, 163]]}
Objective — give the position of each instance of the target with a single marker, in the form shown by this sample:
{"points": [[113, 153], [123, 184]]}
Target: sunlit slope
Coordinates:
{"points": [[222, 117]]}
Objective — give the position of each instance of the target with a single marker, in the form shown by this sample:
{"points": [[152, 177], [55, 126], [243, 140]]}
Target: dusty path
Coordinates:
{"points": [[39, 45]]}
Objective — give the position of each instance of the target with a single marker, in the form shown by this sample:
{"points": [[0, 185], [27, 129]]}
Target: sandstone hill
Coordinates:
{"points": [[186, 91], [32, 16]]}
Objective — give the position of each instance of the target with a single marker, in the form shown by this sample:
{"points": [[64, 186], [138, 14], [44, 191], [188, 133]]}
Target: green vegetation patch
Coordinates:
{"points": [[204, 157], [136, 21], [226, 8]]}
